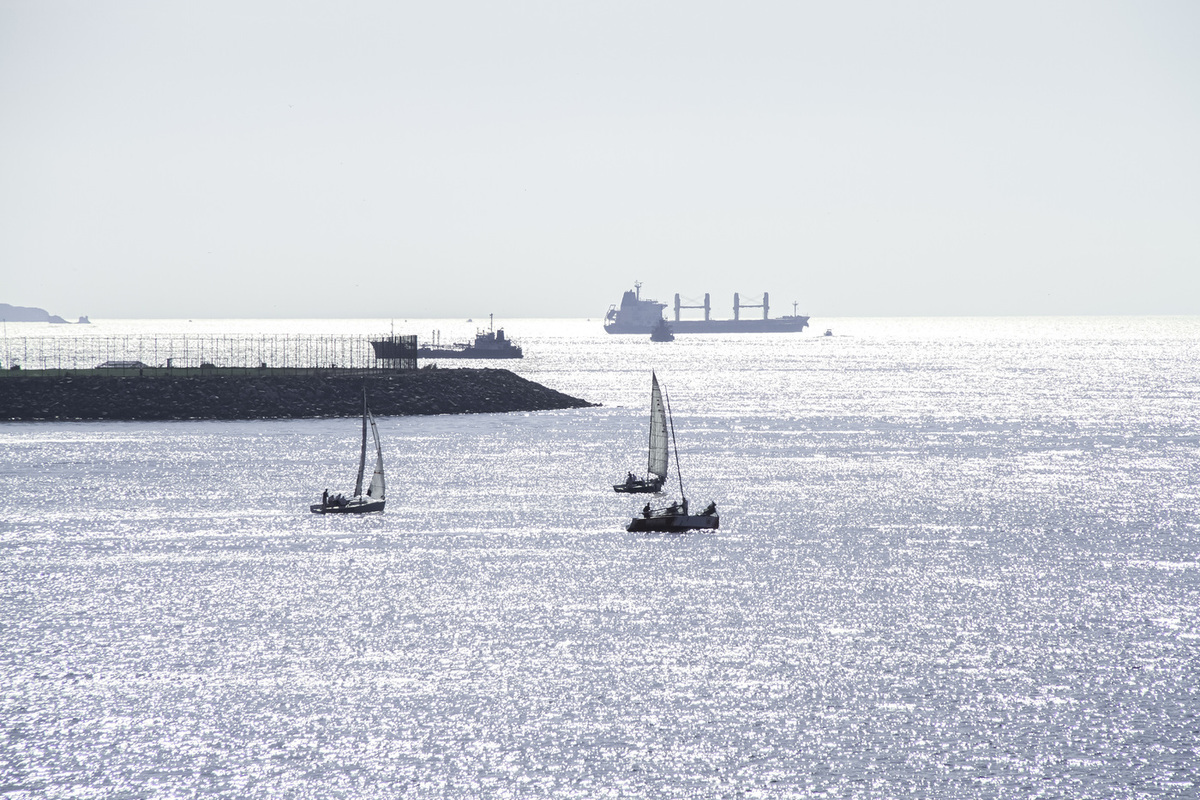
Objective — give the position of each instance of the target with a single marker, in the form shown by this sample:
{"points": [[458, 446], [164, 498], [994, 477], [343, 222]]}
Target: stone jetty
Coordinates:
{"points": [[267, 394]]}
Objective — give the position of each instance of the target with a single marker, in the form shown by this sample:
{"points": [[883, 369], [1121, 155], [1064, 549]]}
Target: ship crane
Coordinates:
{"points": [[738, 306], [707, 307]]}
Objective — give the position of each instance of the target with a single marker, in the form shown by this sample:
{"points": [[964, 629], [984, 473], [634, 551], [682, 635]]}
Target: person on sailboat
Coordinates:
{"points": [[325, 498], [646, 511], [710, 509]]}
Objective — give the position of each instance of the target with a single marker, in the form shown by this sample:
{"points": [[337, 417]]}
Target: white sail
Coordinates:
{"points": [[376, 491], [657, 464]]}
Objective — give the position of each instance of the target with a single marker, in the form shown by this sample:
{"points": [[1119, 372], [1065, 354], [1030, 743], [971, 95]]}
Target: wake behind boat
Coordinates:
{"points": [[359, 503], [675, 517]]}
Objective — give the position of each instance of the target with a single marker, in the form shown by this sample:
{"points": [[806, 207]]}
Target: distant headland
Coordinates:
{"points": [[12, 313]]}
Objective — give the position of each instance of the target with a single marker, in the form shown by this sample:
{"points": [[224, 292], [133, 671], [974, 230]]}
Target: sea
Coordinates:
{"points": [[957, 558]]}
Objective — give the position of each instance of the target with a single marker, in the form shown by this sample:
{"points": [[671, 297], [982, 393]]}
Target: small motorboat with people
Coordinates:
{"points": [[674, 518], [359, 503], [656, 461]]}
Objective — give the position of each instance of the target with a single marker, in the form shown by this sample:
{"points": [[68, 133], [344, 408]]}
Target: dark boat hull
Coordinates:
{"points": [[777, 325], [395, 347], [638, 486], [468, 352], [674, 523], [352, 507], [662, 332]]}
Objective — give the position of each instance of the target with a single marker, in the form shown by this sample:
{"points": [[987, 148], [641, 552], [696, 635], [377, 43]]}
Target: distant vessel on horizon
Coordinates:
{"points": [[661, 332], [636, 315], [491, 343]]}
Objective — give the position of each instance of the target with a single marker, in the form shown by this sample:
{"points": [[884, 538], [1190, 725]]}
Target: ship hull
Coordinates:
{"points": [[470, 352], [778, 325]]}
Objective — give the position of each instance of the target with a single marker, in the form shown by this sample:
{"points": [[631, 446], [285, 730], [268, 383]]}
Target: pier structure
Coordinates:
{"points": [[182, 354]]}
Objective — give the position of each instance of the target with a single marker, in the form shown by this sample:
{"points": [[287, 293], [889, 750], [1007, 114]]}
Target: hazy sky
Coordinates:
{"points": [[535, 158]]}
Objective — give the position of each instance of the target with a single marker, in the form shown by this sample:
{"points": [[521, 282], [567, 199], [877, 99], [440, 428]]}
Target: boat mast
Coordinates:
{"points": [[650, 446], [362, 457], [678, 471]]}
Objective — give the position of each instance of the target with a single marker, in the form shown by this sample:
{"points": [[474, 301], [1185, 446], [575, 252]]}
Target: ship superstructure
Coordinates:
{"points": [[636, 315]]}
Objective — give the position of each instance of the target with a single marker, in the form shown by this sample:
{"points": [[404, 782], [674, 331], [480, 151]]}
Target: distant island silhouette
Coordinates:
{"points": [[26, 314]]}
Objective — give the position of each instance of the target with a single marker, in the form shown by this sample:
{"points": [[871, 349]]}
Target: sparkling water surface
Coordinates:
{"points": [[957, 558]]}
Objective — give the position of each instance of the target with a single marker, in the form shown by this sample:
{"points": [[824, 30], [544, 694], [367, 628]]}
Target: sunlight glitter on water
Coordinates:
{"points": [[956, 559]]}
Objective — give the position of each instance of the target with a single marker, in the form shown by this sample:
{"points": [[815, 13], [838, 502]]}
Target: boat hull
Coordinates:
{"points": [[776, 325], [394, 348], [638, 487], [468, 352], [355, 506], [674, 523]]}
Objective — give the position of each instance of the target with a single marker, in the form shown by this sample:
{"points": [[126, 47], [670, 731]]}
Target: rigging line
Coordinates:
{"points": [[362, 458], [678, 471]]}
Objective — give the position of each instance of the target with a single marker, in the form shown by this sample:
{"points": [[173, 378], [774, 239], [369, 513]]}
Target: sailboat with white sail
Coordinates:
{"points": [[359, 503], [674, 518], [656, 464]]}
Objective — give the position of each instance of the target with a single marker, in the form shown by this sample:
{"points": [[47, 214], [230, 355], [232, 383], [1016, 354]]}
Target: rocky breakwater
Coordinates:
{"points": [[87, 396]]}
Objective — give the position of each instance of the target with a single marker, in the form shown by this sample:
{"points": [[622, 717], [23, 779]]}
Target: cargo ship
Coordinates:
{"points": [[491, 343], [636, 315]]}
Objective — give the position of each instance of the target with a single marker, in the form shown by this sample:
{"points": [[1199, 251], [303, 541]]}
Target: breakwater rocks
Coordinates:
{"points": [[85, 396]]}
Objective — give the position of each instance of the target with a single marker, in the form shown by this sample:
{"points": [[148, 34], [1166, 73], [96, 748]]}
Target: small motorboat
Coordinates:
{"points": [[675, 519]]}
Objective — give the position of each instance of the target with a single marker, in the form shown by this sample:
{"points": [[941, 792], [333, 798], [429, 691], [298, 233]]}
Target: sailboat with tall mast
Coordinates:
{"points": [[359, 503], [675, 517], [656, 462]]}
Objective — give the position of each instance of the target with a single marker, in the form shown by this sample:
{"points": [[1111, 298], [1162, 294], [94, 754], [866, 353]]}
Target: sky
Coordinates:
{"points": [[535, 158]]}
